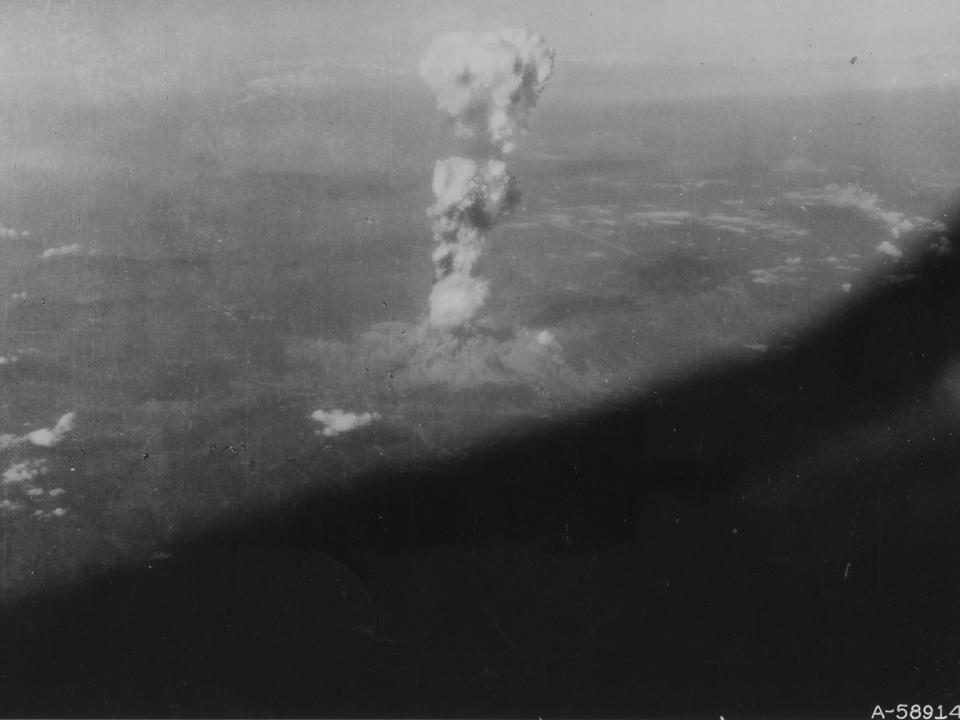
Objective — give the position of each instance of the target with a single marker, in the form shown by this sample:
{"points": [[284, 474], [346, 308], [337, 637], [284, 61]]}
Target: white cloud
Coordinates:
{"points": [[6, 232], [855, 197], [753, 221], [74, 249], [741, 224], [888, 248], [337, 421], [545, 337], [778, 275], [24, 471], [488, 82], [659, 217], [765, 277], [44, 437], [56, 512], [48, 437]]}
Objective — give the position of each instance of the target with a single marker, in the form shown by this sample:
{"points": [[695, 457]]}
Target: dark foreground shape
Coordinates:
{"points": [[775, 538]]}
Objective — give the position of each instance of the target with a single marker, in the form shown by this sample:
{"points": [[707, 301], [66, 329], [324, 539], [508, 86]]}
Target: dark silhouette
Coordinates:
{"points": [[771, 537]]}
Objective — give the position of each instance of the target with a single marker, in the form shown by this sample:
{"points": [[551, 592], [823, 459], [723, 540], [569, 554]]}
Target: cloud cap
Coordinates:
{"points": [[488, 82]]}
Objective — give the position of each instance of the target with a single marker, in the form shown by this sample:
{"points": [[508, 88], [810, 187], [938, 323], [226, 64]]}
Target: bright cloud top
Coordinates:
{"points": [[749, 221], [337, 421], [888, 248], [44, 437], [23, 472], [48, 437], [74, 249], [488, 82]]}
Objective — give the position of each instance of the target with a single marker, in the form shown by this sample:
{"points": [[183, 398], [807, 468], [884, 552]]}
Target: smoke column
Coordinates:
{"points": [[487, 83]]}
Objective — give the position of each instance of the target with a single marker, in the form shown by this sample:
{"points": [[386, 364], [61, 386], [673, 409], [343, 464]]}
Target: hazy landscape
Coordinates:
{"points": [[194, 278], [214, 295]]}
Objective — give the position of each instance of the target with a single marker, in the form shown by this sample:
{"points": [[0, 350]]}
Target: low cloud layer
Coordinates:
{"points": [[24, 471], [74, 249], [867, 203], [21, 476], [888, 248], [44, 437], [48, 437], [336, 422]]}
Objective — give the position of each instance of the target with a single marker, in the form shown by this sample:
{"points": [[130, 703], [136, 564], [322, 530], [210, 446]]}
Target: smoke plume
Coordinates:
{"points": [[487, 83]]}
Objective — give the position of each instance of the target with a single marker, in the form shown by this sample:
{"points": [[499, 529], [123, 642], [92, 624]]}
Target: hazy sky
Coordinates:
{"points": [[161, 44]]}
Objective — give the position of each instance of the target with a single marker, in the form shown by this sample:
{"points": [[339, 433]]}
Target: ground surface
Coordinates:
{"points": [[194, 282]]}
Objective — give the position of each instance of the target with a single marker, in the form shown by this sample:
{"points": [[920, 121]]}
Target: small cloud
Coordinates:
{"points": [[25, 471], [44, 437], [8, 359], [846, 287], [888, 248], [659, 217], [74, 249], [56, 512], [753, 221], [22, 295], [765, 277], [10, 505], [48, 437], [337, 421], [35, 492], [545, 337], [6, 232], [56, 492]]}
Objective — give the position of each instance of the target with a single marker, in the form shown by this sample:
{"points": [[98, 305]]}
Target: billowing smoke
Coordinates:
{"points": [[487, 83], [470, 198]]}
